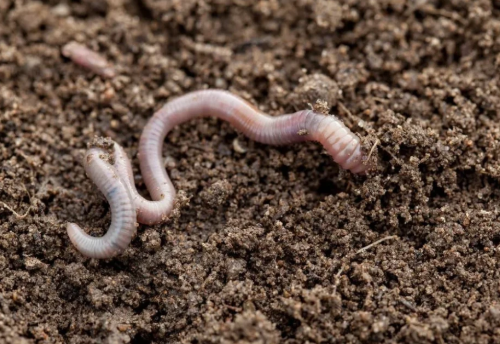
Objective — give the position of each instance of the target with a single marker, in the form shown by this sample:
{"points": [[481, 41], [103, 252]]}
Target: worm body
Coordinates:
{"points": [[338, 140], [123, 216], [117, 181], [89, 59]]}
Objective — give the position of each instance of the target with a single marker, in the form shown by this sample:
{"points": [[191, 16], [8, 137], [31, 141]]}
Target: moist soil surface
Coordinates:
{"points": [[265, 244]]}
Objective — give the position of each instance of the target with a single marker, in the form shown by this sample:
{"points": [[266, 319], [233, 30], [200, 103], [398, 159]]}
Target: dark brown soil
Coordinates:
{"points": [[263, 245]]}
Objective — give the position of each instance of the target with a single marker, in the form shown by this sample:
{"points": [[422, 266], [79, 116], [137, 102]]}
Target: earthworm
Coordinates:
{"points": [[89, 59], [117, 183], [305, 125], [123, 215]]}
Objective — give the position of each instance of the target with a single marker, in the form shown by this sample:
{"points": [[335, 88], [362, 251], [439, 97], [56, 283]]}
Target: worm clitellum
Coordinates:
{"points": [[123, 215], [306, 125]]}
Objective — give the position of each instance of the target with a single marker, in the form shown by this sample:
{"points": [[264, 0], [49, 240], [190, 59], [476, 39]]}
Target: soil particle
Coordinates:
{"points": [[312, 88], [217, 193], [248, 327], [263, 245]]}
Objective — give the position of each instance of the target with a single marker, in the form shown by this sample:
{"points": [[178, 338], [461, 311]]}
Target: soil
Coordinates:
{"points": [[265, 243]]}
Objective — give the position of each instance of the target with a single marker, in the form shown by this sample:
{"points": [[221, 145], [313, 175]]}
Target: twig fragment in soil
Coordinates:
{"points": [[259, 41], [375, 244], [349, 114], [426, 8], [377, 142], [408, 305], [372, 149], [19, 216], [349, 257]]}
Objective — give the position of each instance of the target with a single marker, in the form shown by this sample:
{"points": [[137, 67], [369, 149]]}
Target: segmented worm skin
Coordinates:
{"points": [[117, 181], [123, 215], [307, 125]]}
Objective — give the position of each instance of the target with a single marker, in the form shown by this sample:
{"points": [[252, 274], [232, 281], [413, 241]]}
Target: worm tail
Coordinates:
{"points": [[122, 227]]}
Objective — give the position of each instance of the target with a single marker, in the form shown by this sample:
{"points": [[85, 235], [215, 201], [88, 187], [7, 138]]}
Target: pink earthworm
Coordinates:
{"points": [[306, 125], [123, 215], [89, 59], [117, 183]]}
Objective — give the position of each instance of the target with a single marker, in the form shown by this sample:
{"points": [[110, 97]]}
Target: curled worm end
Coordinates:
{"points": [[123, 217], [88, 245], [74, 233]]}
